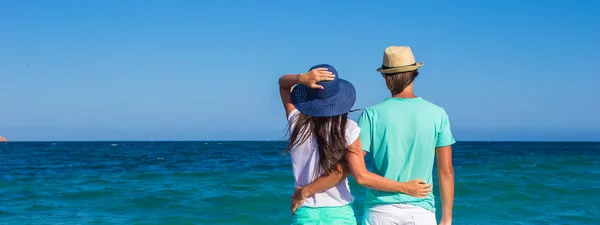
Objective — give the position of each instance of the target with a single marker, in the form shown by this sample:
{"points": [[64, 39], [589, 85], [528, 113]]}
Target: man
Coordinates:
{"points": [[403, 134]]}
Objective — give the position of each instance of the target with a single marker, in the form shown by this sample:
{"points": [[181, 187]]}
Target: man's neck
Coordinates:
{"points": [[404, 95], [407, 93]]}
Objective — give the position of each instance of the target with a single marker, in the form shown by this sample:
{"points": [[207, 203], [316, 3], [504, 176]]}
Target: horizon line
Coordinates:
{"points": [[525, 141]]}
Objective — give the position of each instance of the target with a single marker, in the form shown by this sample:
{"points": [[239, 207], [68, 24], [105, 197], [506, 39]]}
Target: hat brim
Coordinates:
{"points": [[400, 69], [338, 104]]}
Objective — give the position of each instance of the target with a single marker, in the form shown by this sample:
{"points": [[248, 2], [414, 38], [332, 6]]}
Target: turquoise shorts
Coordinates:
{"points": [[340, 215]]}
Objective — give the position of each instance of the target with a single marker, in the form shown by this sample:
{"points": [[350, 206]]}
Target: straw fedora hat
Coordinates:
{"points": [[397, 59]]}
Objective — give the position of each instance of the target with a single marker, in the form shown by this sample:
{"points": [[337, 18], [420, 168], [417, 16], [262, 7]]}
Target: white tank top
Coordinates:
{"points": [[305, 161]]}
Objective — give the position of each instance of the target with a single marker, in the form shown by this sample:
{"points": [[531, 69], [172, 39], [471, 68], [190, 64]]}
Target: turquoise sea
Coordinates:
{"points": [[250, 183]]}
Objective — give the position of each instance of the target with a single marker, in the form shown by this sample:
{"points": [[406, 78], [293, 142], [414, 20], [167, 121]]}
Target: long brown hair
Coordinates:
{"points": [[330, 133]]}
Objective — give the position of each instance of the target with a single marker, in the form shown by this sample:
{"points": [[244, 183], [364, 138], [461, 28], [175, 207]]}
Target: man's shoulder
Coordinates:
{"points": [[371, 111], [432, 106], [376, 107]]}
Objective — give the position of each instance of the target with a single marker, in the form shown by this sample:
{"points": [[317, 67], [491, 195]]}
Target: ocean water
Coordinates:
{"points": [[251, 183]]}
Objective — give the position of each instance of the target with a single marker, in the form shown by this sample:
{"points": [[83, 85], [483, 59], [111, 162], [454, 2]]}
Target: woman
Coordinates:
{"points": [[320, 134]]}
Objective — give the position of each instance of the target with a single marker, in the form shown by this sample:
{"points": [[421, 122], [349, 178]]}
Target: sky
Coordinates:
{"points": [[508, 70]]}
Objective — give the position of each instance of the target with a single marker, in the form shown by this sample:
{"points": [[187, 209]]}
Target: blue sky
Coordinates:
{"points": [[208, 70]]}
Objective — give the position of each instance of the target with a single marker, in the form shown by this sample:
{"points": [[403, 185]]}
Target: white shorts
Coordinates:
{"points": [[398, 214]]}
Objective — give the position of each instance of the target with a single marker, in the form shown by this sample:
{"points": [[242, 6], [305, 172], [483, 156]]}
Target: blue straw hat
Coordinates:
{"points": [[336, 98]]}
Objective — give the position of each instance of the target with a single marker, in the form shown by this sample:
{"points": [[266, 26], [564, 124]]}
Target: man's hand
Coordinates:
{"points": [[298, 198], [311, 78]]}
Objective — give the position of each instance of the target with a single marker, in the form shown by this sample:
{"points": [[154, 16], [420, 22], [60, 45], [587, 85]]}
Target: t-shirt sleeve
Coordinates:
{"points": [[364, 122], [445, 136], [292, 116], [352, 132]]}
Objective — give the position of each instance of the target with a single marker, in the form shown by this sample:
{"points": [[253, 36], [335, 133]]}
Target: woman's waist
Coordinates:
{"points": [[325, 199], [303, 179]]}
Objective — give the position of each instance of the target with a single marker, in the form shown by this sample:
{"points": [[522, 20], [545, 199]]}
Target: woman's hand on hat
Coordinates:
{"points": [[311, 78]]}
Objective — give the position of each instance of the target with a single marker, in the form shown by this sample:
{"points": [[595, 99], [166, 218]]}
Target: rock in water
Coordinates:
{"points": [[2, 139]]}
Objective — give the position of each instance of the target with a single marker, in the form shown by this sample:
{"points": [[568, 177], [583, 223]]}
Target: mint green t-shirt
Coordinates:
{"points": [[401, 135]]}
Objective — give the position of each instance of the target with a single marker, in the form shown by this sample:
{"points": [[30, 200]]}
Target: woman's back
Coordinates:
{"points": [[306, 167], [318, 103]]}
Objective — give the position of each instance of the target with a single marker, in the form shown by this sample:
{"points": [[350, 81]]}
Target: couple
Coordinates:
{"points": [[402, 135]]}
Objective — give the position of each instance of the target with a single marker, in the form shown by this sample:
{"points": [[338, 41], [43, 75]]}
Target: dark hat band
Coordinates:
{"points": [[384, 67]]}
